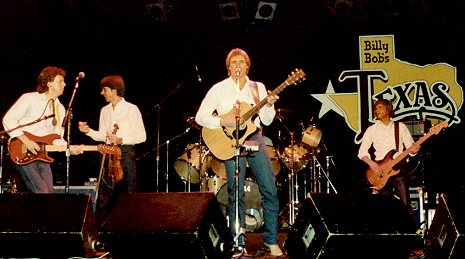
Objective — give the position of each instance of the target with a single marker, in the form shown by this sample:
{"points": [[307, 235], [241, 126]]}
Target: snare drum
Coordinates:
{"points": [[213, 184]]}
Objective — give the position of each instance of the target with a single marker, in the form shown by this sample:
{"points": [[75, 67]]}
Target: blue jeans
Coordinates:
{"points": [[37, 177], [261, 166]]}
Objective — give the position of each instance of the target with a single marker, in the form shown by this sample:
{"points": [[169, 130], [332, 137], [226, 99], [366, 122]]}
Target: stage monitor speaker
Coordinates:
{"points": [[46, 226], [446, 234], [334, 226], [175, 225]]}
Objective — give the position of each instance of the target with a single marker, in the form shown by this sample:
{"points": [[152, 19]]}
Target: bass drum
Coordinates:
{"points": [[190, 160], [252, 203]]}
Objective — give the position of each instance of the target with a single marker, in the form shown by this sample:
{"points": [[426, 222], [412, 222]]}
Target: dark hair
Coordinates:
{"points": [[388, 104], [237, 52], [48, 74], [114, 82]]}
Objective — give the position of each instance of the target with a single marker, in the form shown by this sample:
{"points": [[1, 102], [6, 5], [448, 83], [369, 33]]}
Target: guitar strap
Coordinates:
{"points": [[396, 134], [254, 88]]}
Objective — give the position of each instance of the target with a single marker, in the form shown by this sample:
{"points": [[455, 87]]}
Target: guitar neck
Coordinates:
{"points": [[254, 110], [404, 154], [60, 148]]}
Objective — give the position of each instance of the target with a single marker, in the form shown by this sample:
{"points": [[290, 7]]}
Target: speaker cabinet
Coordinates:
{"points": [[446, 233], [351, 226], [178, 225], [46, 225]]}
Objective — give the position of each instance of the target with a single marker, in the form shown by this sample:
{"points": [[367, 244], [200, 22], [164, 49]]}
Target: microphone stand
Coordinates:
{"points": [[67, 120], [157, 159], [237, 224], [293, 193]]}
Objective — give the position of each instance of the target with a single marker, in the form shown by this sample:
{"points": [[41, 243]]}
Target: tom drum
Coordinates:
{"points": [[195, 160]]}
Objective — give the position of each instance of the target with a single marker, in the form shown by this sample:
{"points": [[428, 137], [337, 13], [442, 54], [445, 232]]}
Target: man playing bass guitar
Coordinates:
{"points": [[385, 139]]}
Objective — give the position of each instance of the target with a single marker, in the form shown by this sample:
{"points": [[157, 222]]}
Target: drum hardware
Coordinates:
{"points": [[318, 174], [290, 158], [189, 166], [282, 114], [167, 143]]}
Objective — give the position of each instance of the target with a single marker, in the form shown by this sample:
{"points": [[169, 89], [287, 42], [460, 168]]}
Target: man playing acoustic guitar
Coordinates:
{"points": [[222, 98], [386, 140]]}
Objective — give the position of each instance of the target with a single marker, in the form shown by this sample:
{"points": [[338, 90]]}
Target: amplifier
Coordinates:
{"points": [[78, 189], [418, 128]]}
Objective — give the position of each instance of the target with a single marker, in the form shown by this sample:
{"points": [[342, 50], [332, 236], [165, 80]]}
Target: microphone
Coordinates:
{"points": [[197, 72], [80, 75], [54, 121], [238, 72]]}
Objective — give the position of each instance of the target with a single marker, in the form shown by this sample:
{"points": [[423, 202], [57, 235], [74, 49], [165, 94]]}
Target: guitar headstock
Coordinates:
{"points": [[438, 127], [106, 149], [296, 76]]}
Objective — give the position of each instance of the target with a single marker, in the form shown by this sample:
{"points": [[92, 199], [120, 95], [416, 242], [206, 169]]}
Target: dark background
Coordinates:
{"points": [[158, 60]]}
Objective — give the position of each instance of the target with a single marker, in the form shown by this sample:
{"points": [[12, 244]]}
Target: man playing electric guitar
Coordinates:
{"points": [[384, 137]]}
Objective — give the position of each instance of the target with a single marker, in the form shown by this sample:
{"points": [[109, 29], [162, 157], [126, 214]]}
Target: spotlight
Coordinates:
{"points": [[229, 10], [265, 10], [156, 11]]}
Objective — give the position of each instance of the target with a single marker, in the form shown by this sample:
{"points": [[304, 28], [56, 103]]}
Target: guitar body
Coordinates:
{"points": [[379, 181], [21, 156], [222, 141]]}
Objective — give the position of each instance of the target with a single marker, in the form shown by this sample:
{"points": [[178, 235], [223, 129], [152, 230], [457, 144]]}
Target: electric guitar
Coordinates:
{"points": [[387, 163], [222, 141], [21, 156]]}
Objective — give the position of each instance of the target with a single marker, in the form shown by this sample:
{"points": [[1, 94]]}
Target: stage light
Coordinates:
{"points": [[265, 10], [156, 11], [229, 10]]}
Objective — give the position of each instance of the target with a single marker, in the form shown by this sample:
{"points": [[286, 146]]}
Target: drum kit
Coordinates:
{"points": [[197, 165]]}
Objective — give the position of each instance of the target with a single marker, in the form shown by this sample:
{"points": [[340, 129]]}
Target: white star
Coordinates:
{"points": [[327, 103]]}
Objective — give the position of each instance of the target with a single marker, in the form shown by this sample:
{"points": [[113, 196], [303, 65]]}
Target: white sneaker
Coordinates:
{"points": [[274, 250], [238, 252]]}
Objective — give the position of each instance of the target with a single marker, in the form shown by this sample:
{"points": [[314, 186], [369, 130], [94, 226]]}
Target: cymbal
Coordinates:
{"points": [[283, 113], [191, 121]]}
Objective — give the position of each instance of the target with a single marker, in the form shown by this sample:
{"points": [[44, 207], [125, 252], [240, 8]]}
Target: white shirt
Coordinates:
{"points": [[383, 139], [31, 107], [129, 120], [222, 98]]}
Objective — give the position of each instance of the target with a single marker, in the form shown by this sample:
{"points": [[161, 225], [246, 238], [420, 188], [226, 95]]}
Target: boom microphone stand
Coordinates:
{"points": [[158, 106]]}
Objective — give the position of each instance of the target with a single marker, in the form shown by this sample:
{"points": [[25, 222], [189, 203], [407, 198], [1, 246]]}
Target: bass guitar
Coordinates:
{"points": [[21, 156], [222, 141], [378, 181]]}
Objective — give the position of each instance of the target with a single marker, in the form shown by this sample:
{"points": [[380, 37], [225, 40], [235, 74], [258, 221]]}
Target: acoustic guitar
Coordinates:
{"points": [[222, 141]]}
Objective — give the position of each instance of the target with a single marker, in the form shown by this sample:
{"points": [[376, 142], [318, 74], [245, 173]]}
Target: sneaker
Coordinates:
{"points": [[238, 252], [274, 250]]}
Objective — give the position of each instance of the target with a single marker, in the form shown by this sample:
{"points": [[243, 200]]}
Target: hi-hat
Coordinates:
{"points": [[283, 113]]}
